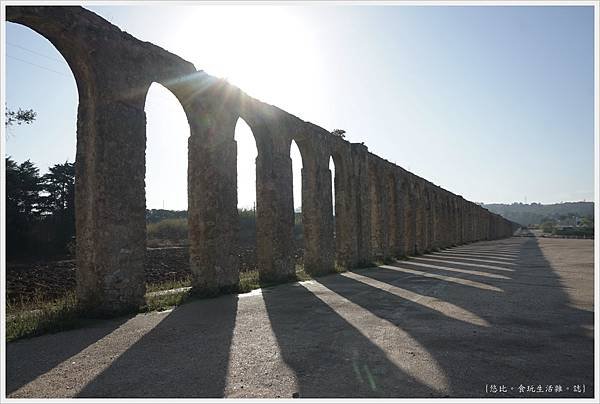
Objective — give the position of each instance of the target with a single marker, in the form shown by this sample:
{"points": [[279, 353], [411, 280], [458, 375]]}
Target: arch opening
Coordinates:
{"points": [[333, 193], [40, 159], [297, 166], [247, 153], [344, 250], [166, 190]]}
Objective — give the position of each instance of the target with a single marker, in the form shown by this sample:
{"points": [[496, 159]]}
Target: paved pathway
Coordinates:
{"points": [[511, 312]]}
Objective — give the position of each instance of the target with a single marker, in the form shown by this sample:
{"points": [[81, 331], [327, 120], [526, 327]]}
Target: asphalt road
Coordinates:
{"points": [[472, 321]]}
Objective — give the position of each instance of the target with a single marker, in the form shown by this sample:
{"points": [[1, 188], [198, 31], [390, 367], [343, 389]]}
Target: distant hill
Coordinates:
{"points": [[535, 213]]}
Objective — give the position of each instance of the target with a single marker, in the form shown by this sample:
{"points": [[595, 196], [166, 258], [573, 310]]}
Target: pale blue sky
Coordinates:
{"points": [[492, 103]]}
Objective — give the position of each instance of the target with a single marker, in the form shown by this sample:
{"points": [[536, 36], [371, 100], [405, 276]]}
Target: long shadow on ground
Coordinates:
{"points": [[531, 334], [193, 340], [28, 359], [329, 356]]}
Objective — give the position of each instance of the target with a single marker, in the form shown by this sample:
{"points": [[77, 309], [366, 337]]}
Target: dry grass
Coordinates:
{"points": [[37, 316]]}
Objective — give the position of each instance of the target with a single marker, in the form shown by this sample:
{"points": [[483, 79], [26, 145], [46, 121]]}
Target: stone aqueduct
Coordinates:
{"points": [[382, 210]]}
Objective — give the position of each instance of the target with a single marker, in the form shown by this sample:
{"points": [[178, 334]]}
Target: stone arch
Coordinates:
{"points": [[246, 142], [246, 155], [113, 72], [444, 220], [420, 217], [392, 216], [297, 174], [435, 218], [112, 81], [317, 204], [408, 216], [377, 209], [346, 248], [158, 91], [211, 107], [99, 286], [429, 217], [273, 131], [453, 221], [456, 221]]}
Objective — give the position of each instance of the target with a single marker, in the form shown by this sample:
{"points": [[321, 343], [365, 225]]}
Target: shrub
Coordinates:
{"points": [[168, 229]]}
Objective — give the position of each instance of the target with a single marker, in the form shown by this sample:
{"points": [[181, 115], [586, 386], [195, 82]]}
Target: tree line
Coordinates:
{"points": [[40, 209]]}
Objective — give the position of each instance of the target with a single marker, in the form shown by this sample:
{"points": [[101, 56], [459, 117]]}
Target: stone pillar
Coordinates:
{"points": [[395, 213], [453, 215], [408, 216], [426, 220], [213, 220], [420, 219], [473, 214], [468, 222], [473, 217], [274, 190], [112, 81], [444, 222], [275, 216], [460, 221], [479, 226], [317, 210], [345, 210], [430, 218], [110, 202], [483, 224], [440, 216], [361, 194], [377, 210], [450, 224]]}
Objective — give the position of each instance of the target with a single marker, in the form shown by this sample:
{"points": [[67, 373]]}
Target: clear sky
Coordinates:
{"points": [[494, 103]]}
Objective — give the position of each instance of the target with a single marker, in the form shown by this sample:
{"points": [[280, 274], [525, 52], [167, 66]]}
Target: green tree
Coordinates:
{"points": [[58, 205], [59, 187], [19, 117], [23, 186], [339, 133], [587, 221], [548, 226]]}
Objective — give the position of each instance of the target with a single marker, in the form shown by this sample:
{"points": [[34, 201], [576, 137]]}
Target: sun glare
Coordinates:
{"points": [[270, 52], [267, 51]]}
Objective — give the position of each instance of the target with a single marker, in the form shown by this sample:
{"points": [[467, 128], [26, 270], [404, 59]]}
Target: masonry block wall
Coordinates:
{"points": [[382, 211]]}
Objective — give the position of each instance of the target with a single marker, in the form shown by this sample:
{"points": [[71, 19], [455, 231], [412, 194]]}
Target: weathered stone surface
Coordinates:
{"points": [[346, 226], [273, 130], [317, 205], [382, 211], [212, 190], [420, 218], [409, 214], [360, 191], [113, 72]]}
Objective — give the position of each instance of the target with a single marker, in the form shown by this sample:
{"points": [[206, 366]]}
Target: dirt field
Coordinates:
{"points": [[53, 279]]}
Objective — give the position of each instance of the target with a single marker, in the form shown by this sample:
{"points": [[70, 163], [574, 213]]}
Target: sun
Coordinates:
{"points": [[269, 52]]}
